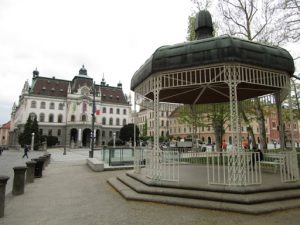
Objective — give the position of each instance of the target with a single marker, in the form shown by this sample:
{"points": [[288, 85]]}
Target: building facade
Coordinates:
{"points": [[171, 125], [64, 109], [4, 134]]}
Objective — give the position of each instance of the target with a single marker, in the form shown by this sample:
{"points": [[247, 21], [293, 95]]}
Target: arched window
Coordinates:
{"points": [[118, 111], [42, 117], [32, 116], [111, 110], [33, 104], [124, 111], [124, 122], [103, 121], [110, 121], [118, 122], [104, 110], [103, 133], [61, 106], [52, 105], [83, 118], [73, 118], [110, 133], [60, 118], [51, 118], [43, 105]]}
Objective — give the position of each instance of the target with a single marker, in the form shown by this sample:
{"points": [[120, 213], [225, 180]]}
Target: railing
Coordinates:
{"points": [[162, 165], [118, 156], [233, 168]]}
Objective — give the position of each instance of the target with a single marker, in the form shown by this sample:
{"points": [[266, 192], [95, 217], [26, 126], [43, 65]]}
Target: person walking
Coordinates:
{"points": [[26, 149]]}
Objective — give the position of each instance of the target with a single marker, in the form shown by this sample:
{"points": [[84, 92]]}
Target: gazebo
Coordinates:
{"points": [[214, 70]]}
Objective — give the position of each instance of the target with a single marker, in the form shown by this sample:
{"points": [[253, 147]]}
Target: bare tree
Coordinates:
{"points": [[292, 18], [255, 20]]}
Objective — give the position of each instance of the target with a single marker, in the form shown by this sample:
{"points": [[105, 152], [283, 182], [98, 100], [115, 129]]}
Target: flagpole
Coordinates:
{"points": [[91, 153]]}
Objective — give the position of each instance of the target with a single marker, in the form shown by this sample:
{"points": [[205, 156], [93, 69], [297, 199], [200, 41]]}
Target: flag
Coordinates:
{"points": [[97, 112]]}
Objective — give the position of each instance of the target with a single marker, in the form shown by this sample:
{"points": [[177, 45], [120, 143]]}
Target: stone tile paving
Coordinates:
{"points": [[11, 158], [71, 194]]}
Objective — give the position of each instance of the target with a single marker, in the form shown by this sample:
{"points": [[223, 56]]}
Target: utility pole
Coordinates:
{"points": [[91, 153]]}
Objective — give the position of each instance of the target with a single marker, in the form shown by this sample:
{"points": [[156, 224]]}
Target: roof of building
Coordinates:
{"points": [[6, 125], [50, 87], [54, 87], [208, 50]]}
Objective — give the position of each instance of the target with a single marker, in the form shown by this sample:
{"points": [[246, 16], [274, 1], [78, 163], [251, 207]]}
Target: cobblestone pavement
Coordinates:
{"points": [[11, 158], [69, 193]]}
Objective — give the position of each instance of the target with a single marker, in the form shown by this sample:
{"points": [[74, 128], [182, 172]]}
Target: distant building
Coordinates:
{"points": [[64, 108], [170, 126], [4, 134]]}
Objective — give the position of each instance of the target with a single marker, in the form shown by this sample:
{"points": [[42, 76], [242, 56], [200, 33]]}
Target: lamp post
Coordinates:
{"points": [[32, 141], [91, 153], [66, 130], [114, 139]]}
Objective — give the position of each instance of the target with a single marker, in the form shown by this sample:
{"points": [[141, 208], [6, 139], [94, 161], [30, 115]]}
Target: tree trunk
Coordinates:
{"points": [[261, 124], [249, 127]]}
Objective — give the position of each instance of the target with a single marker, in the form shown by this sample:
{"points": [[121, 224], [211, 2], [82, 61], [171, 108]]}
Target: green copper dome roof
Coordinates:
{"points": [[213, 50], [224, 49]]}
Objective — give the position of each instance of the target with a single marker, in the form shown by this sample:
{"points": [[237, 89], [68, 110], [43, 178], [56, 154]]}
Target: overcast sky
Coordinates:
{"points": [[113, 37]]}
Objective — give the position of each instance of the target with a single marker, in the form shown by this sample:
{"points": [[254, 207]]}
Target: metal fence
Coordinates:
{"points": [[161, 165], [233, 168]]}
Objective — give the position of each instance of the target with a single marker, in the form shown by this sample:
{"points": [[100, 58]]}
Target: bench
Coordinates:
{"points": [[273, 159], [95, 164]]}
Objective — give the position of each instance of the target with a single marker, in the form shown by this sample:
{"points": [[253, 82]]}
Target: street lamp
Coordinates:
{"points": [[66, 130], [32, 141], [91, 153], [114, 139]]}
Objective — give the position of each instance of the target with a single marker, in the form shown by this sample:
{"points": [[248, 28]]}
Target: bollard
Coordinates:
{"points": [[38, 167], [19, 180], [43, 158], [30, 171], [3, 181]]}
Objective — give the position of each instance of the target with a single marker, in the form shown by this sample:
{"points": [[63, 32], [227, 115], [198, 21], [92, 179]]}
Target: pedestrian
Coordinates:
{"points": [[257, 155], [26, 149], [1, 150]]}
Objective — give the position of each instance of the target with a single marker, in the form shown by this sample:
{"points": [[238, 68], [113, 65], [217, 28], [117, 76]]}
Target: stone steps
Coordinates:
{"points": [[251, 203]]}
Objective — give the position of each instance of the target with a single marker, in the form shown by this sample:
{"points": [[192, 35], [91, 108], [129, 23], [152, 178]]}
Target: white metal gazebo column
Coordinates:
{"points": [[156, 152], [236, 167]]}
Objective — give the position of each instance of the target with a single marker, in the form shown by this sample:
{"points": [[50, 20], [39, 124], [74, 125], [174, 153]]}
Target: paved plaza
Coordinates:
{"points": [[69, 193]]}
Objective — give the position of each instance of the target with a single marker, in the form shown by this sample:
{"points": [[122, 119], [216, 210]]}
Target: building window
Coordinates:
{"points": [[111, 110], [60, 118], [73, 118], [103, 133], [110, 121], [58, 132], [42, 117], [104, 110], [41, 131], [33, 104], [61, 106], [273, 125], [103, 121], [162, 123], [50, 132], [43, 105], [125, 112], [110, 133], [83, 118], [51, 118], [52, 105], [124, 122], [118, 111], [118, 122]]}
